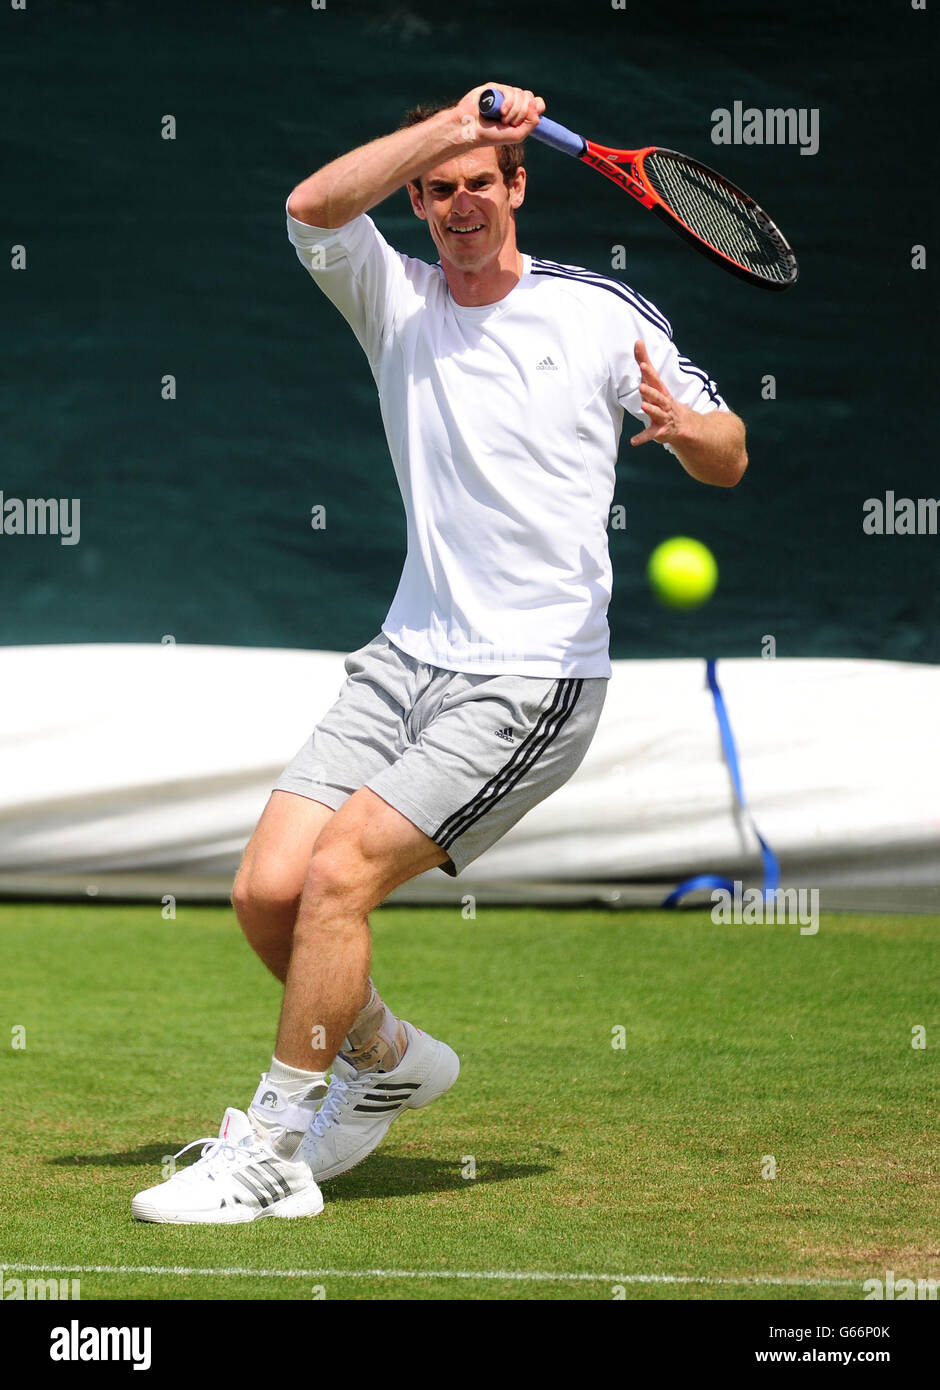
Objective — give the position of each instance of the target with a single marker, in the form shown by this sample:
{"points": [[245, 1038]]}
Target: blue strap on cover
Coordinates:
{"points": [[771, 863]]}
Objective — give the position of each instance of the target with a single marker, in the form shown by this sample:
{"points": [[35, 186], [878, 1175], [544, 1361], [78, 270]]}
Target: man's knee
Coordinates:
{"points": [[366, 851], [265, 888], [342, 881], [273, 868]]}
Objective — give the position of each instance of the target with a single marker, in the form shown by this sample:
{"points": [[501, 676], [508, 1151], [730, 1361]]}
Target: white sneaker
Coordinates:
{"points": [[238, 1178], [360, 1106]]}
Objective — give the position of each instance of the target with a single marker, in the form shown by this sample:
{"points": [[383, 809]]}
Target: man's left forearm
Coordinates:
{"points": [[711, 448]]}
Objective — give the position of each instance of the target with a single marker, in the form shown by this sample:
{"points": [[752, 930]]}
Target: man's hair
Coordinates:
{"points": [[510, 158]]}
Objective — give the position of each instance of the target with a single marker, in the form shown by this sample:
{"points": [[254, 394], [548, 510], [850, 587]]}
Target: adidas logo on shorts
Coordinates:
{"points": [[546, 365], [506, 735]]}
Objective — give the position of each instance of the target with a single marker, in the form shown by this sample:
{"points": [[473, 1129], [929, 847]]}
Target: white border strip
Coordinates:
{"points": [[522, 1276]]}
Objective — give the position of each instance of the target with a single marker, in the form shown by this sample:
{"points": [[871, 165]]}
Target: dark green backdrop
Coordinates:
{"points": [[148, 256]]}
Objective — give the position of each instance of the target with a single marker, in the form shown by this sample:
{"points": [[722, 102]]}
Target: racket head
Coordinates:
{"points": [[716, 217]]}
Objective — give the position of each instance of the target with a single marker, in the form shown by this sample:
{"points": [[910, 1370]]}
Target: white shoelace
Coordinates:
{"points": [[336, 1097], [215, 1154]]}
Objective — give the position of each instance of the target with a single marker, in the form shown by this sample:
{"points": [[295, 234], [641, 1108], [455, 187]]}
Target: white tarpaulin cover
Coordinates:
{"points": [[142, 770]]}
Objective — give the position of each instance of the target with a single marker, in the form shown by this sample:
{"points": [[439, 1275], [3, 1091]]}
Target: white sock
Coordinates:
{"points": [[295, 1084], [298, 1089]]}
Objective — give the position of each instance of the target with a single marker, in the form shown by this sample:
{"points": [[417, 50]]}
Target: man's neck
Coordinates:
{"points": [[474, 289]]}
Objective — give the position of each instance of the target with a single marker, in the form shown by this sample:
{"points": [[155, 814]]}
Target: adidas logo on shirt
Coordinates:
{"points": [[546, 365], [506, 735]]}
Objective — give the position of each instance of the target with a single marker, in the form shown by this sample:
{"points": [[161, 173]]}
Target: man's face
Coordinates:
{"points": [[468, 208]]}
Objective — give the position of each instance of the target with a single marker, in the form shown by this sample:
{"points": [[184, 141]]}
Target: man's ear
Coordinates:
{"points": [[517, 189], [417, 206]]}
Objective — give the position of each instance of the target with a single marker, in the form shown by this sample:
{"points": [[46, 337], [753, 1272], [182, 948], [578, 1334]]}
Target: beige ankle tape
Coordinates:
{"points": [[374, 1042], [366, 1025]]}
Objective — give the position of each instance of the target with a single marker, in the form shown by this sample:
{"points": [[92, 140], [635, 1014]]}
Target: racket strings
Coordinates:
{"points": [[734, 227]]}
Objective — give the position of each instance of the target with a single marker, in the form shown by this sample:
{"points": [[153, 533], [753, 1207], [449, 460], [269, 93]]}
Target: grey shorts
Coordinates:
{"points": [[462, 756]]}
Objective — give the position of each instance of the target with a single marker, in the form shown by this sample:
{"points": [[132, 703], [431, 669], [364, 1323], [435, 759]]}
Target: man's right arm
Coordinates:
{"points": [[356, 182]]}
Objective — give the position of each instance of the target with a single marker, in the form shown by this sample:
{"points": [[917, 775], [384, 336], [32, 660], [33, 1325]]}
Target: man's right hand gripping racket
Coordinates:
{"points": [[703, 207]]}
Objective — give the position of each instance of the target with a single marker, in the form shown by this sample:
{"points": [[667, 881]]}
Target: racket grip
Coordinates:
{"points": [[547, 132]]}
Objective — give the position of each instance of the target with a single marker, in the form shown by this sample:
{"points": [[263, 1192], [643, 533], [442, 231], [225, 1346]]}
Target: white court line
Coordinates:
{"points": [[524, 1276]]}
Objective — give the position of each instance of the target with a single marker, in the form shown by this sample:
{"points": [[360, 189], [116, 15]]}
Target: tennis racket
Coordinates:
{"points": [[702, 206]]}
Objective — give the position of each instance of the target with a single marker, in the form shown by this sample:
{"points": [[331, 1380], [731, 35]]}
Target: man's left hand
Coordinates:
{"points": [[665, 414], [710, 446]]}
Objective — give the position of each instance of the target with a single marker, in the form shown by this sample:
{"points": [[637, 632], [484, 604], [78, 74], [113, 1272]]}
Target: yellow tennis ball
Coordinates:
{"points": [[682, 572]]}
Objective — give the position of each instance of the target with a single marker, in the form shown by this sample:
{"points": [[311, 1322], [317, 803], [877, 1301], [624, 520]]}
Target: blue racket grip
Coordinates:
{"points": [[547, 132]]}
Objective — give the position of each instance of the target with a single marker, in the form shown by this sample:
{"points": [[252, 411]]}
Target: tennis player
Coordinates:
{"points": [[503, 380]]}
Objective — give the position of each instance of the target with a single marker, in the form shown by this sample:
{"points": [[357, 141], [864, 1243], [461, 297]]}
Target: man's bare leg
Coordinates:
{"points": [[283, 867], [359, 855], [268, 886], [363, 852], [266, 897]]}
